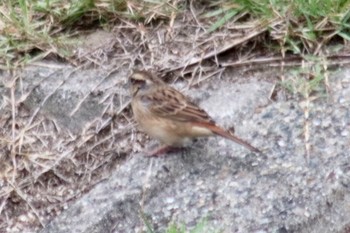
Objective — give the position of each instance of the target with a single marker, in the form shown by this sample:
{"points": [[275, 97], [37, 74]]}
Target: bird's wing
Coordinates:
{"points": [[169, 103]]}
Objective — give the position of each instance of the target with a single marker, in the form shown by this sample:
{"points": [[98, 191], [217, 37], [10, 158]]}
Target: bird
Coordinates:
{"points": [[169, 116]]}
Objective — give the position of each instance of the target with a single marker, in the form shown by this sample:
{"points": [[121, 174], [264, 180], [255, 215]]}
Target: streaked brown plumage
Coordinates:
{"points": [[169, 116]]}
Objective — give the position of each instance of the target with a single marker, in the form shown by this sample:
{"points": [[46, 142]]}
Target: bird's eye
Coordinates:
{"points": [[137, 81]]}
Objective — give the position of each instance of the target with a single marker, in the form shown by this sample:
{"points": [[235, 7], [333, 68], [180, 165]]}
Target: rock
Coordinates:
{"points": [[290, 189]]}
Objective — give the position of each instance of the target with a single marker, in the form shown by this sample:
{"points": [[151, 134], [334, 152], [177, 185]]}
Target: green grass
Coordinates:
{"points": [[306, 24], [201, 227], [307, 28], [309, 80], [33, 29]]}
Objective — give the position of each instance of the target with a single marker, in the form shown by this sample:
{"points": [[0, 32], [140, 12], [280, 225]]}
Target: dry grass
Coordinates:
{"points": [[33, 30], [43, 167]]}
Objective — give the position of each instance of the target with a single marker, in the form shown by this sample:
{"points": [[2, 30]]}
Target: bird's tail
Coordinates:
{"points": [[221, 132]]}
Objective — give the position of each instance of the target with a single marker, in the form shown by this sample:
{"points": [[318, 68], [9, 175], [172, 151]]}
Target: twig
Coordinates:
{"points": [[57, 161], [77, 107], [47, 97], [126, 104], [326, 80], [287, 61], [195, 17], [13, 144], [209, 76], [260, 28], [306, 109]]}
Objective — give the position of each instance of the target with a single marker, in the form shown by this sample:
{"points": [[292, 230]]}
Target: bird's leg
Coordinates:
{"points": [[163, 150]]}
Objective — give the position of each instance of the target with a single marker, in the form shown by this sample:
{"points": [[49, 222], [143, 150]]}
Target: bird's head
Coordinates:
{"points": [[141, 81]]}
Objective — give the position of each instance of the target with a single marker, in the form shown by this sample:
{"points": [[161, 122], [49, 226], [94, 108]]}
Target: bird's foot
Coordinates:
{"points": [[160, 151]]}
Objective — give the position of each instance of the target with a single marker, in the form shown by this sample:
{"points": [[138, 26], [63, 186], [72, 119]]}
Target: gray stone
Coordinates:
{"points": [[298, 185]]}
